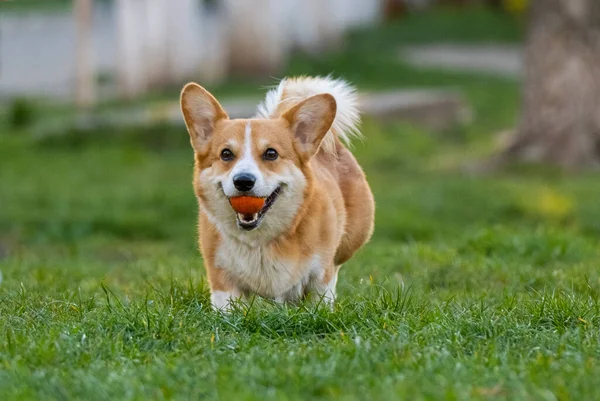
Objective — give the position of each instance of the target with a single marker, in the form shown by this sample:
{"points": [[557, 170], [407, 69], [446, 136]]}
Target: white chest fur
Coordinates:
{"points": [[260, 270]]}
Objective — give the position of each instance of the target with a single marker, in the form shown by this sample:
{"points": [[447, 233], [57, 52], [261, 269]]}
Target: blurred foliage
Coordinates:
{"points": [[21, 112], [37, 5], [516, 6]]}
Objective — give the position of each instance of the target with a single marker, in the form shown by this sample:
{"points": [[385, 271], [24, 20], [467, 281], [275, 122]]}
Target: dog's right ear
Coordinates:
{"points": [[201, 111]]}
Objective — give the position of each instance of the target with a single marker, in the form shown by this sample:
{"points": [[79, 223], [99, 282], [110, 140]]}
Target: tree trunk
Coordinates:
{"points": [[560, 121]]}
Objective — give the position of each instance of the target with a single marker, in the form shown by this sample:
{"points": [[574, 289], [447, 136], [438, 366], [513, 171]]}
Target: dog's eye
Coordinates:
{"points": [[270, 154], [227, 155]]}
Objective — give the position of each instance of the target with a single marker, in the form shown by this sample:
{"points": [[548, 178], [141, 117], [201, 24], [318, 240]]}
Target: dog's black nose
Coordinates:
{"points": [[244, 182]]}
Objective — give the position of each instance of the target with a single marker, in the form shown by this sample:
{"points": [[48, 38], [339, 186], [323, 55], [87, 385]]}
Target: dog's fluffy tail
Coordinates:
{"points": [[291, 91]]}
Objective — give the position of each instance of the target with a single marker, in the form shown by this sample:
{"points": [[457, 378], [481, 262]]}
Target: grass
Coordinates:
{"points": [[472, 287], [46, 6]]}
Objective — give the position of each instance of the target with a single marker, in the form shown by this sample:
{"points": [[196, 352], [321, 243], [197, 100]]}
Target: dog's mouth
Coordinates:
{"points": [[250, 222]]}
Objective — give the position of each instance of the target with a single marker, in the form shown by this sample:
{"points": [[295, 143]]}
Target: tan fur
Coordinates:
{"points": [[335, 211]]}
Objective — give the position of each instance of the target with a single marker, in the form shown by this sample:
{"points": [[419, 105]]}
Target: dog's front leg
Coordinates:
{"points": [[221, 300], [222, 291], [324, 288]]}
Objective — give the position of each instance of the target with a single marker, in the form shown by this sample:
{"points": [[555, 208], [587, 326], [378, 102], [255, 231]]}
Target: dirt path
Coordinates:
{"points": [[495, 59]]}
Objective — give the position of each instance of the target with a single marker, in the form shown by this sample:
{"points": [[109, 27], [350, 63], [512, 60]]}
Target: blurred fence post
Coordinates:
{"points": [[214, 53], [317, 25], [304, 25], [156, 42], [132, 79], [185, 39], [85, 82], [329, 30], [258, 42]]}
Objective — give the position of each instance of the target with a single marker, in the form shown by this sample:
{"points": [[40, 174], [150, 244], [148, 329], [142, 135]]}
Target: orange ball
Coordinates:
{"points": [[247, 204]]}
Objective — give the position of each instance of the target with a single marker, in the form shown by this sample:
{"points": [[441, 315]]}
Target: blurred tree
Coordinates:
{"points": [[560, 121]]}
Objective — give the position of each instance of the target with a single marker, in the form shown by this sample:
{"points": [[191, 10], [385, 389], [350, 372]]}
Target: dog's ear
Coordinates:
{"points": [[201, 111], [310, 120]]}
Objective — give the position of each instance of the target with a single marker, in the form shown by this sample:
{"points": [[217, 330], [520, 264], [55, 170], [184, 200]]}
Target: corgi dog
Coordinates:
{"points": [[282, 201]]}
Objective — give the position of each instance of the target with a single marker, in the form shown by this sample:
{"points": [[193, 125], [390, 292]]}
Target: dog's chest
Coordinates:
{"points": [[264, 271]]}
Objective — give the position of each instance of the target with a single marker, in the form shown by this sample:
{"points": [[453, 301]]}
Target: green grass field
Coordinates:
{"points": [[472, 287]]}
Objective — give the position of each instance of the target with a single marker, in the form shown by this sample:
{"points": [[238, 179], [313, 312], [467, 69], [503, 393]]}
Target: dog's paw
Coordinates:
{"points": [[222, 300]]}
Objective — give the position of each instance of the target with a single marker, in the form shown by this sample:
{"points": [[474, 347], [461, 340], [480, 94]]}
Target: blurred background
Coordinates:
{"points": [[89, 51], [480, 117], [481, 121]]}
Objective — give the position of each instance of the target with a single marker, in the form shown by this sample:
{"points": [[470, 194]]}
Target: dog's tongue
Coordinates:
{"points": [[247, 205]]}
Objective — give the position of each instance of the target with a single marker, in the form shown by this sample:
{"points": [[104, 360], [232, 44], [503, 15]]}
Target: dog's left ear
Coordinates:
{"points": [[310, 120]]}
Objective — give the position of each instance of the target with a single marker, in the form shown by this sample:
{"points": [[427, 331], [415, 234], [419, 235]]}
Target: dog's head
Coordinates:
{"points": [[259, 158]]}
